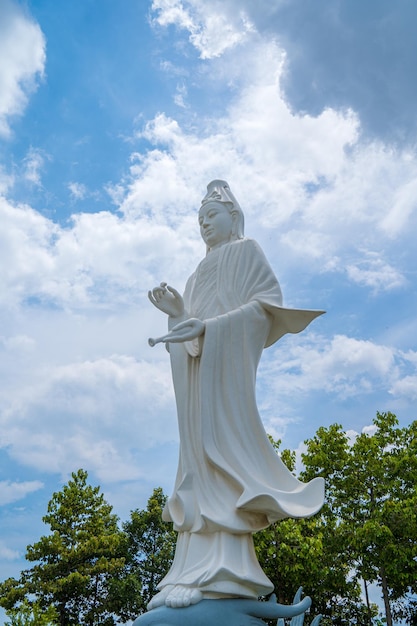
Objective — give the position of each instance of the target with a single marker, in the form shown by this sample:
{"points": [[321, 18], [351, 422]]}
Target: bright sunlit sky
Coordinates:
{"points": [[114, 116]]}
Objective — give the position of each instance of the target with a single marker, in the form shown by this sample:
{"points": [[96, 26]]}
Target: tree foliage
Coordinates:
{"points": [[75, 564], [305, 552], [372, 492], [28, 614], [151, 545]]}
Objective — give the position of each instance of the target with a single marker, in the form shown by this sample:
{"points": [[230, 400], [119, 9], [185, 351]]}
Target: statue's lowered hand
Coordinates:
{"points": [[185, 331]]}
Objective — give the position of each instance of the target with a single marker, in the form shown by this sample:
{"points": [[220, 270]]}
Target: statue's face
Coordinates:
{"points": [[216, 224]]}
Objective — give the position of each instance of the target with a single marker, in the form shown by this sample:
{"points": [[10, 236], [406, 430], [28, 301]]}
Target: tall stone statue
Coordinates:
{"points": [[230, 482]]}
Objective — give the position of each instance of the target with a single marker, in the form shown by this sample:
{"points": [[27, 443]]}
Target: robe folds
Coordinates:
{"points": [[230, 481]]}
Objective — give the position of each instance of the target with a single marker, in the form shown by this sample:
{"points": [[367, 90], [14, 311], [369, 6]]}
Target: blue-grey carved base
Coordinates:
{"points": [[227, 612]]}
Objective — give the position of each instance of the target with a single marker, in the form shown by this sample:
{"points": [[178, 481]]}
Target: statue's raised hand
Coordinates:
{"points": [[167, 299]]}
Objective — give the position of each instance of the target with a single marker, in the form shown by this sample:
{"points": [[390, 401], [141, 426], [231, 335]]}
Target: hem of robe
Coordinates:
{"points": [[219, 564]]}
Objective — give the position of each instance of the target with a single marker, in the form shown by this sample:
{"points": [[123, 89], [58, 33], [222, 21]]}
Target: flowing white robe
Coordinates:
{"points": [[230, 481]]}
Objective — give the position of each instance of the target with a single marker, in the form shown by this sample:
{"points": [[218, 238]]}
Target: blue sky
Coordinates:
{"points": [[114, 116]]}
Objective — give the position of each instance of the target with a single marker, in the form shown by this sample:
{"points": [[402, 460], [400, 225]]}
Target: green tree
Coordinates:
{"points": [[28, 614], [151, 545], [75, 564], [305, 552], [372, 492]]}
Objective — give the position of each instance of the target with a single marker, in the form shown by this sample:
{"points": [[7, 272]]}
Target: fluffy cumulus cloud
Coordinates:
{"points": [[102, 415], [349, 372], [340, 55], [342, 204], [22, 61], [341, 365], [24, 251], [99, 258]]}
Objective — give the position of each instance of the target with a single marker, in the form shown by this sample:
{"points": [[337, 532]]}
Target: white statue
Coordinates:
{"points": [[230, 481]]}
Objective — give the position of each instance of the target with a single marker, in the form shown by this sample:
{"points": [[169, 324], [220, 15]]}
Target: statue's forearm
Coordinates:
{"points": [[173, 321]]}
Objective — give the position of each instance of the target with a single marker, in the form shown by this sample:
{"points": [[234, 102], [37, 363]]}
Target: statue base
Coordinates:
{"points": [[222, 612]]}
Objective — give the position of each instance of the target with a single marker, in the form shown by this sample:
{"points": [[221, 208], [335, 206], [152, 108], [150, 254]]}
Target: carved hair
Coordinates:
{"points": [[219, 191]]}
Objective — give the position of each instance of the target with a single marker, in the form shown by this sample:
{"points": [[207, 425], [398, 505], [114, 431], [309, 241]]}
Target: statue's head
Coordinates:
{"points": [[219, 194]]}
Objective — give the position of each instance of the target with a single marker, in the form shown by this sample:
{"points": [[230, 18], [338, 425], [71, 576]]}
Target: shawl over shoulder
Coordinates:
{"points": [[252, 279]]}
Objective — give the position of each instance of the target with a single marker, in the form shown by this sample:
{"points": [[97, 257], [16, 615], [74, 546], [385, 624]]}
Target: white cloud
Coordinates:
{"points": [[33, 164], [100, 258], [7, 554], [25, 238], [258, 145], [374, 273], [405, 387], [324, 195], [342, 365], [18, 343], [404, 207], [77, 190], [6, 181], [103, 415], [212, 28], [22, 61], [343, 206], [370, 430], [385, 103], [300, 177], [181, 96], [173, 70], [13, 491], [116, 192]]}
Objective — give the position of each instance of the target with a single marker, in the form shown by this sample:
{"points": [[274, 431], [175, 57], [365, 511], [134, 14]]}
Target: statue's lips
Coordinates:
{"points": [[208, 234]]}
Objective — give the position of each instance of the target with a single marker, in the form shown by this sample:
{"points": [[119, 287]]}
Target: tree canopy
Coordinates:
{"points": [[372, 494], [31, 614], [305, 552], [75, 564], [151, 545]]}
